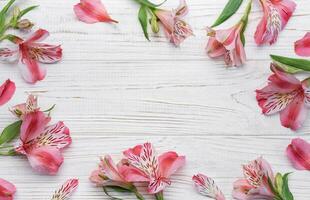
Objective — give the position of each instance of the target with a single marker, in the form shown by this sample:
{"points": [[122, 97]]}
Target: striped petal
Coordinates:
{"points": [[66, 190], [207, 187], [7, 90], [46, 53], [298, 153]]}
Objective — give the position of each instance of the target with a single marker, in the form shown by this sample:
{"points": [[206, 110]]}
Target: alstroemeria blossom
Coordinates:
{"points": [[207, 187], [227, 43], [42, 144], [255, 184], [7, 190], [22, 109], [65, 191], [276, 15], [176, 29], [299, 154], [145, 166], [92, 11], [302, 46], [7, 90], [287, 95], [31, 51]]}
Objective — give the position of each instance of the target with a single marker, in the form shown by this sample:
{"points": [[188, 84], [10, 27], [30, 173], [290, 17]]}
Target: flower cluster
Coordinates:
{"points": [[140, 164]]}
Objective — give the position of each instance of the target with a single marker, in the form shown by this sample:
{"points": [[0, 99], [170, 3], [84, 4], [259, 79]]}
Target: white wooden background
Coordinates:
{"points": [[115, 90]]}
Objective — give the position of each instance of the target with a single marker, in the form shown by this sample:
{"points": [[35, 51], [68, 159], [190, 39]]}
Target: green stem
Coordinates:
{"points": [[5, 147], [138, 195], [159, 196]]}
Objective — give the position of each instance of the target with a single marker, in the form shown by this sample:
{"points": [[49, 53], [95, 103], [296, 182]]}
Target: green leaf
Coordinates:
{"points": [[25, 11], [116, 188], [143, 18], [291, 65], [231, 8], [149, 4], [10, 132], [286, 193], [7, 7]]}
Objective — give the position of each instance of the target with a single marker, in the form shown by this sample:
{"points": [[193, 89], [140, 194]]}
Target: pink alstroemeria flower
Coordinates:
{"points": [[31, 51], [92, 11], [66, 190], [287, 95], [227, 43], [255, 183], [7, 90], [276, 15], [302, 46], [42, 144], [207, 187], [7, 190], [299, 154], [176, 29], [145, 166], [23, 109]]}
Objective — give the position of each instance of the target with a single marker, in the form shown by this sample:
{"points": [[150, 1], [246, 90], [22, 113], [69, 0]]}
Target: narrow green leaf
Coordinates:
{"points": [[143, 18], [149, 4], [291, 65], [25, 11], [286, 193], [231, 8], [10, 132], [7, 7]]}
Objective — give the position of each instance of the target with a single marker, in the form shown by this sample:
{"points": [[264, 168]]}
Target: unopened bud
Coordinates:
{"points": [[154, 24], [16, 12], [24, 24]]}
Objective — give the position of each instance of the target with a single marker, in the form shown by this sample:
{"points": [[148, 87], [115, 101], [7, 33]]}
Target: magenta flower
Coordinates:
{"points": [[145, 166], [207, 187], [227, 44], [65, 191], [299, 154], [302, 46], [176, 29], [255, 183], [7, 190], [287, 95], [42, 144], [276, 15], [7, 90], [31, 51], [92, 11]]}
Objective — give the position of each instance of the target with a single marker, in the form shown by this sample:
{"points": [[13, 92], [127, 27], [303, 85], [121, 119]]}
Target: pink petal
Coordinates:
{"points": [[169, 163], [299, 154], [167, 19], [241, 188], [95, 177], [108, 167], [260, 30], [33, 125], [7, 90], [294, 114], [302, 46], [132, 174], [182, 10], [92, 11], [37, 36], [7, 190], [46, 53], [214, 48], [286, 9], [45, 159], [66, 190], [207, 187], [7, 54]]}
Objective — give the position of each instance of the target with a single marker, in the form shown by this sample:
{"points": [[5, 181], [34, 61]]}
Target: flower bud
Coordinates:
{"points": [[154, 24], [24, 24]]}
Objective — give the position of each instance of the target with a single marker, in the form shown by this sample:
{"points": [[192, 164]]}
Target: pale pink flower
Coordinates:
{"points": [[299, 154], [227, 44], [22, 109], [287, 95], [7, 190], [176, 29], [302, 46], [145, 166], [92, 11], [255, 183], [207, 187], [65, 191], [7, 90], [31, 51], [42, 144], [276, 15]]}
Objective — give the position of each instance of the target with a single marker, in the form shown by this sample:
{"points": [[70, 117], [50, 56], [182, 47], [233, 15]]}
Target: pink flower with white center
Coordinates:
{"points": [[255, 183], [7, 190], [92, 11], [22, 109], [31, 51], [299, 154], [302, 46], [207, 187], [145, 166], [7, 90], [66, 190], [227, 44], [276, 15], [287, 95], [42, 144], [176, 29]]}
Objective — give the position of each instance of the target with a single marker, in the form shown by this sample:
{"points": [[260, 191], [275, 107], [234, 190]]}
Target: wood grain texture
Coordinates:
{"points": [[114, 90]]}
